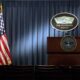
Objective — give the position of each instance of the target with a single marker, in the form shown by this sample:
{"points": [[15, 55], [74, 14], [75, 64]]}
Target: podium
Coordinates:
{"points": [[57, 56]]}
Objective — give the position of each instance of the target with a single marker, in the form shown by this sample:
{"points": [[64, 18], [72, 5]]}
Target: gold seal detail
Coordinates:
{"points": [[68, 43]]}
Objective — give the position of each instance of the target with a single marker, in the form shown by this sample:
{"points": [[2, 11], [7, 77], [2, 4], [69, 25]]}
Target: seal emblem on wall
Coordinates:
{"points": [[64, 21]]}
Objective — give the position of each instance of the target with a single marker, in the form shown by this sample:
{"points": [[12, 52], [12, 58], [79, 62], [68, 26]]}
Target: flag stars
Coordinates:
{"points": [[4, 31], [1, 32], [1, 16]]}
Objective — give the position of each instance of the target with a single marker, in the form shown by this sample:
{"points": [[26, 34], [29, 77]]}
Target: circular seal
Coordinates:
{"points": [[64, 21], [68, 43]]}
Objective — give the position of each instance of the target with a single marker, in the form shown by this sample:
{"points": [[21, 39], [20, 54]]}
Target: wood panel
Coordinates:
{"points": [[56, 56], [64, 59], [53, 45]]}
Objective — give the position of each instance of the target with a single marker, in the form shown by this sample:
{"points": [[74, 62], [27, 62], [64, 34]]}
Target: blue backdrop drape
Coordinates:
{"points": [[27, 26]]}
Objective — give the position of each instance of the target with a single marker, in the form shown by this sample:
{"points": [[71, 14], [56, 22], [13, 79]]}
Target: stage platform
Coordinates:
{"points": [[39, 72]]}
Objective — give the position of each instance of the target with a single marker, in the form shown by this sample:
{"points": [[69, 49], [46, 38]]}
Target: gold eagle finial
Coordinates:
{"points": [[0, 7]]}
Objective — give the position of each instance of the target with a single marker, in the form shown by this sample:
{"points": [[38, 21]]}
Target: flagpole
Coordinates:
{"points": [[0, 12]]}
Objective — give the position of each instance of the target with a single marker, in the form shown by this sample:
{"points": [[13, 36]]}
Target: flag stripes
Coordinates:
{"points": [[2, 58], [5, 49], [5, 58]]}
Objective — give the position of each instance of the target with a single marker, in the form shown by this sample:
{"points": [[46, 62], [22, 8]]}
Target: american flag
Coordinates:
{"points": [[5, 57]]}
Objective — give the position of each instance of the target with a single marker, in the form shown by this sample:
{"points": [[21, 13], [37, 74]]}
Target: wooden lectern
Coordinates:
{"points": [[57, 56]]}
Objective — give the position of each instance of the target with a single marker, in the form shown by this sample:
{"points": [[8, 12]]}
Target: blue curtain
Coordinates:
{"points": [[27, 26]]}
